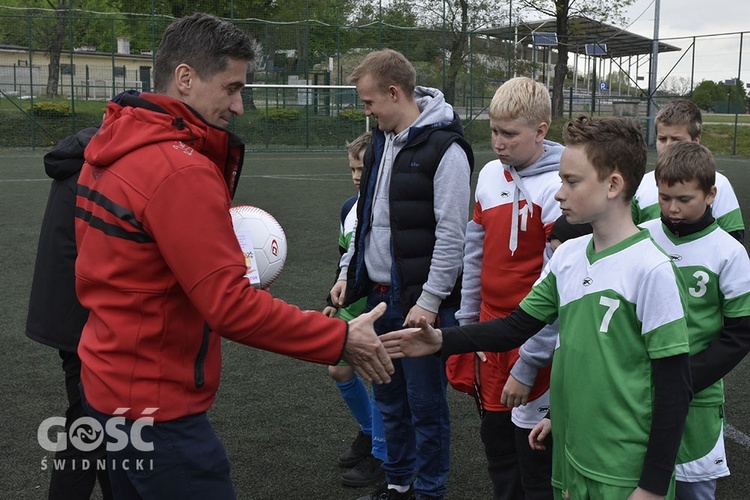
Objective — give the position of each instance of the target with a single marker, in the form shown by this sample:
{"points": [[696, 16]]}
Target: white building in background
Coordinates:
{"points": [[85, 73]]}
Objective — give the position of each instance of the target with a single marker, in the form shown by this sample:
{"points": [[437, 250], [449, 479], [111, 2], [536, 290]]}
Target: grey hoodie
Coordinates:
{"points": [[537, 352], [451, 202]]}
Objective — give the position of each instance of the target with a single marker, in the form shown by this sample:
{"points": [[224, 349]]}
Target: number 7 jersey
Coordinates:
{"points": [[618, 309]]}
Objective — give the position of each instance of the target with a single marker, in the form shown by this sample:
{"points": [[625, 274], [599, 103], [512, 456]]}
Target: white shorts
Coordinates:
{"points": [[528, 415], [702, 455]]}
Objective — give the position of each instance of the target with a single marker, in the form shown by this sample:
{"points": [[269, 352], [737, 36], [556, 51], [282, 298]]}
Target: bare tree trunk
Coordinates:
{"points": [[55, 48], [561, 67], [458, 51]]}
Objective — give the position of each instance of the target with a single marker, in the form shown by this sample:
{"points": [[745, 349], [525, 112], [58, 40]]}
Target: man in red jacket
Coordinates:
{"points": [[161, 272]]}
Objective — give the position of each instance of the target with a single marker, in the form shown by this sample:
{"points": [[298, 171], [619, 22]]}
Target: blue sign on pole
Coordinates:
{"points": [[602, 85]]}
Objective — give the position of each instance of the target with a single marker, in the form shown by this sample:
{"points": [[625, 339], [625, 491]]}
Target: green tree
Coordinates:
{"points": [[391, 25], [56, 26], [315, 33], [563, 11], [736, 96], [733, 94], [710, 95], [705, 94], [456, 20], [147, 20]]}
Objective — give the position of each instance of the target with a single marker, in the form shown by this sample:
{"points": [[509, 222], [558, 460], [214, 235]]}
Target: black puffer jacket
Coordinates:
{"points": [[55, 316]]}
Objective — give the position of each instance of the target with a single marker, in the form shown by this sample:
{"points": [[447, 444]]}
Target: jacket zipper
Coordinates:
{"points": [[198, 368]]}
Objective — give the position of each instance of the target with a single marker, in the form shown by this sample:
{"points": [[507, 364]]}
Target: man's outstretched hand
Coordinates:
{"points": [[413, 342], [364, 351]]}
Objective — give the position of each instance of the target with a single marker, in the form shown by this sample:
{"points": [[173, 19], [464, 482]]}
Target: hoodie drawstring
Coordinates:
{"points": [[519, 188], [181, 125]]}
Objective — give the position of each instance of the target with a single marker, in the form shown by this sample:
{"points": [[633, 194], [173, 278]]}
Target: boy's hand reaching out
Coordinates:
{"points": [[413, 342]]}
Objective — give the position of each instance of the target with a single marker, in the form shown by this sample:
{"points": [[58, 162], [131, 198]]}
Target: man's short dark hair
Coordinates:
{"points": [[205, 43]]}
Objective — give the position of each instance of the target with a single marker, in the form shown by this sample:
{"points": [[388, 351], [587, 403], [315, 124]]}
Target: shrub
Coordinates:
{"points": [[280, 115], [50, 109], [354, 115]]}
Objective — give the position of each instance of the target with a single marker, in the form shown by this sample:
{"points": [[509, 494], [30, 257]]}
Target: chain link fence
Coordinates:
{"points": [[297, 97]]}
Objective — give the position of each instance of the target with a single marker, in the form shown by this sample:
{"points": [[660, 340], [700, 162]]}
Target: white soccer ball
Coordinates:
{"points": [[263, 242]]}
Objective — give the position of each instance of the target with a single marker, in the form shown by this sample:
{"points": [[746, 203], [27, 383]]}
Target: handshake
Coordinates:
{"points": [[371, 355]]}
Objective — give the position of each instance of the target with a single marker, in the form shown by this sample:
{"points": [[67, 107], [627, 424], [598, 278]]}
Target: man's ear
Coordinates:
{"points": [[183, 76], [394, 92]]}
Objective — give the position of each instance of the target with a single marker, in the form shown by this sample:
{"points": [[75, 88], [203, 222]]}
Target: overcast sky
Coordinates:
{"points": [[691, 17], [716, 57]]}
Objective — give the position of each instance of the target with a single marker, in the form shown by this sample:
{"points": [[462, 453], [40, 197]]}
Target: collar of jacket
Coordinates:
{"points": [[224, 148], [681, 229]]}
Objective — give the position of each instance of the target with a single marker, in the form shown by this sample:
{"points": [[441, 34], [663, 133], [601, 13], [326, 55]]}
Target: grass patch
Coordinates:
{"points": [[721, 140], [714, 118]]}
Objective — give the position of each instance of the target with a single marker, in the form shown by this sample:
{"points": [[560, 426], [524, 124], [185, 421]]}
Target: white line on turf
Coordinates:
{"points": [[304, 177], [737, 436], [26, 180]]}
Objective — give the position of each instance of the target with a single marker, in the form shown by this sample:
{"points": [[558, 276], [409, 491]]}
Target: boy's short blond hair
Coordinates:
{"points": [[387, 67], [522, 99], [681, 112], [359, 144], [685, 162], [611, 144]]}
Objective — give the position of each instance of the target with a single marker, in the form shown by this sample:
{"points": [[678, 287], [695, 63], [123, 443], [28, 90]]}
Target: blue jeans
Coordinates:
{"points": [[703, 490], [415, 409], [187, 460]]}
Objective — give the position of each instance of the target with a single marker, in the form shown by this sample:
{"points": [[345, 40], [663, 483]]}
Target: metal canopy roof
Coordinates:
{"points": [[582, 31]]}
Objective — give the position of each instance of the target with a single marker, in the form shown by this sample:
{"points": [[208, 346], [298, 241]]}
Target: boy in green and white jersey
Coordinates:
{"points": [[620, 385], [716, 272], [677, 121]]}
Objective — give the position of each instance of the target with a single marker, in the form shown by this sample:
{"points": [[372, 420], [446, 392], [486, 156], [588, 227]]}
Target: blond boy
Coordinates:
{"points": [[505, 248]]}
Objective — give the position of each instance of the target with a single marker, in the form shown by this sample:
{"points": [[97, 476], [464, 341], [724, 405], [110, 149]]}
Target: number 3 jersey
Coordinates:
{"points": [[617, 310], [716, 273]]}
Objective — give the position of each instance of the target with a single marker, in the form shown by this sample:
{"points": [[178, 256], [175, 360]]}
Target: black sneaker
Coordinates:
{"points": [[359, 449], [366, 472], [384, 493]]}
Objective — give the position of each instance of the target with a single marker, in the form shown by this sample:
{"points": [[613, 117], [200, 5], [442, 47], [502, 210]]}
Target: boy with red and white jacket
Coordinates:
{"points": [[505, 251]]}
